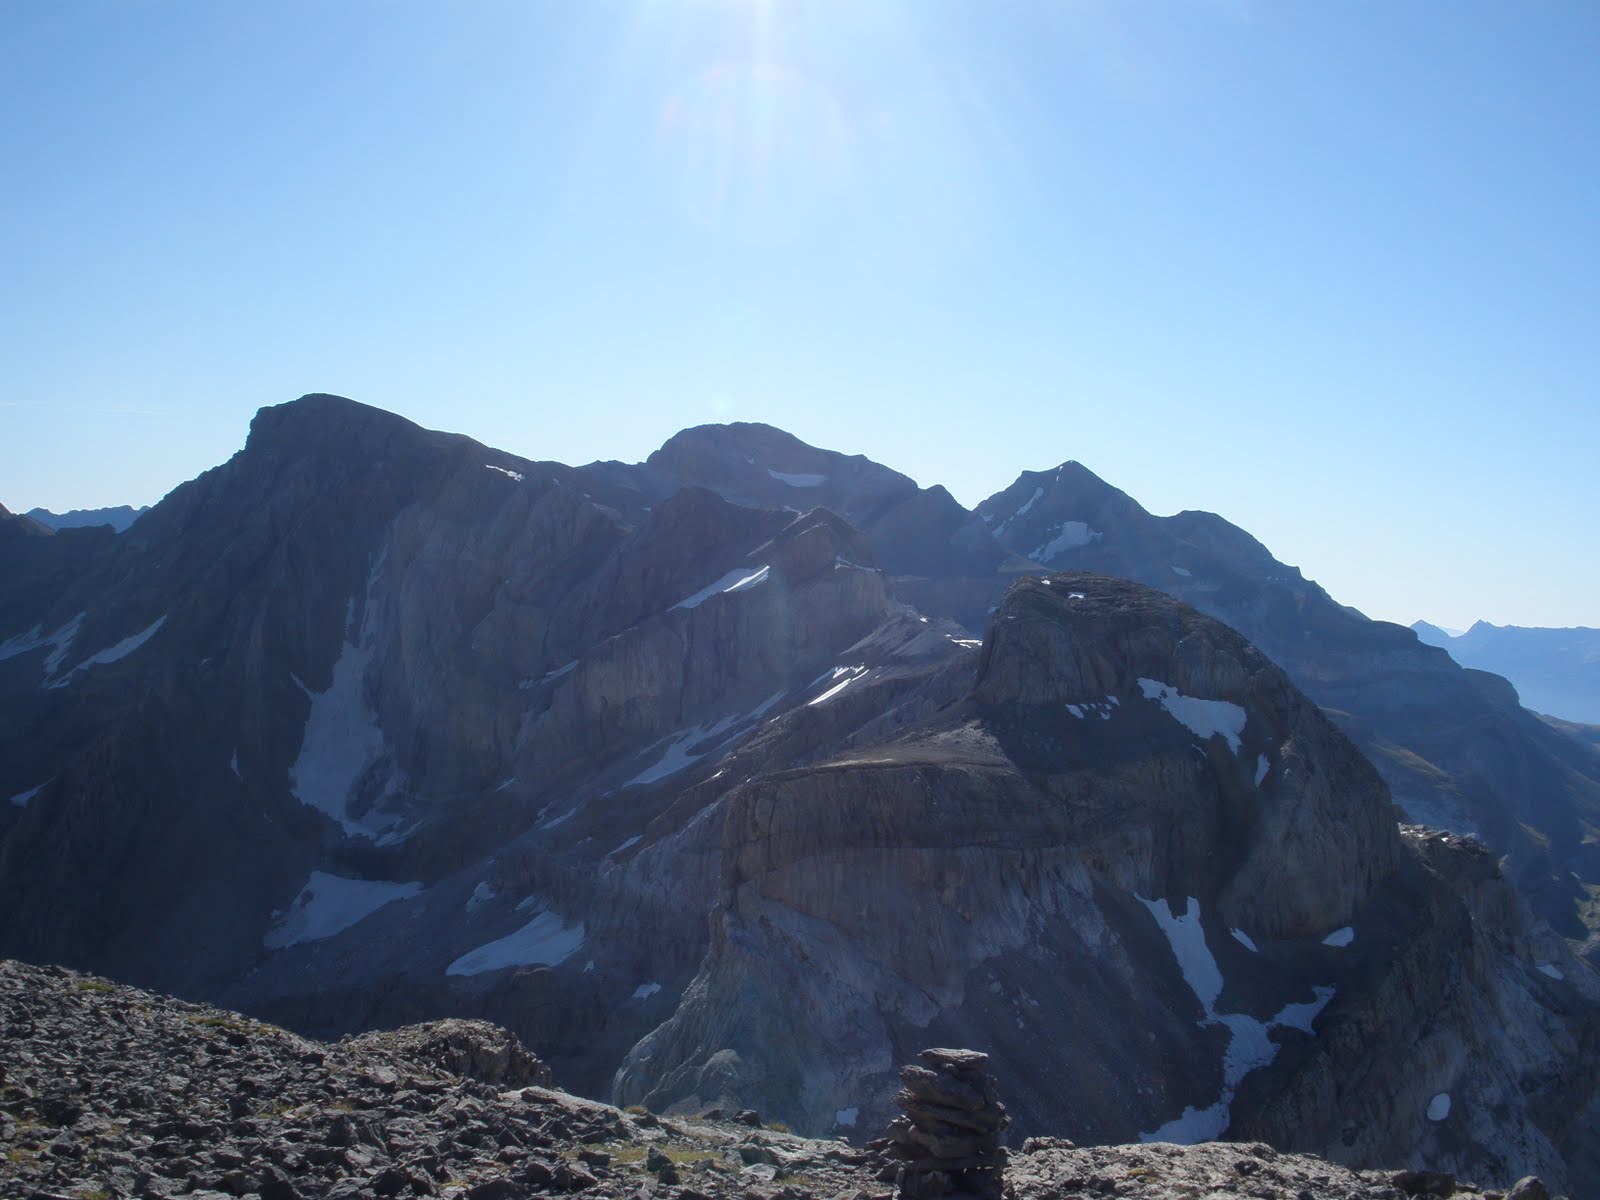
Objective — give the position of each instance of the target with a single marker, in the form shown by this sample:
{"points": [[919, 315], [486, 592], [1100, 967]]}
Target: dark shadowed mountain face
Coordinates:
{"points": [[1555, 671], [732, 775]]}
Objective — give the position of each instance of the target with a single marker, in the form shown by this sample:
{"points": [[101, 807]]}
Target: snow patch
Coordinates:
{"points": [[629, 844], [1038, 494], [737, 580], [1196, 1125], [1072, 535], [1184, 573], [506, 471], [680, 752], [847, 675], [1092, 708], [330, 904], [1549, 969], [20, 800], [1301, 1016], [110, 654], [1245, 940], [544, 941], [1188, 941], [233, 764], [481, 895], [1340, 938], [342, 740], [1203, 718], [800, 480], [846, 1117], [1262, 767], [645, 990], [1249, 1044], [59, 640], [1439, 1107], [547, 676]]}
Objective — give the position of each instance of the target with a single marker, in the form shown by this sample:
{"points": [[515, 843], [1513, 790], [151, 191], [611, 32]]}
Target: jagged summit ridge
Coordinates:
{"points": [[424, 728]]}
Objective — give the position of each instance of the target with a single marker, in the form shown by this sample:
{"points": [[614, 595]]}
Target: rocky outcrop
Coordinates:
{"points": [[109, 1091], [1455, 747], [1158, 887]]}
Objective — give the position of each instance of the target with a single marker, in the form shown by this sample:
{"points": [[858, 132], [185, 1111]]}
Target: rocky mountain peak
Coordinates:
{"points": [[765, 467], [1145, 679], [319, 426], [18, 525]]}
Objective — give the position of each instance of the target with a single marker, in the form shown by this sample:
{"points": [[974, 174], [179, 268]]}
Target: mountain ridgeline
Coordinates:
{"points": [[729, 778]]}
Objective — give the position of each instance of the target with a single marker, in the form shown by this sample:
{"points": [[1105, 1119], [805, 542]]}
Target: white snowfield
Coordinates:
{"points": [[1038, 494], [342, 739], [544, 941], [330, 904], [114, 653], [800, 480], [645, 990], [1439, 1107], [1340, 938], [1203, 718], [507, 472], [688, 747], [679, 753], [1073, 535], [844, 677], [737, 580], [1249, 1046], [60, 640], [1550, 969]]}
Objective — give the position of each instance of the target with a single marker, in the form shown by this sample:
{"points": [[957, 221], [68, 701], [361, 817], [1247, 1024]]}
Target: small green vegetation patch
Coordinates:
{"points": [[93, 985]]}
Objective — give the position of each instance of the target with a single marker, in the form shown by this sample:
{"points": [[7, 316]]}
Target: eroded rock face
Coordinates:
{"points": [[1455, 747], [1153, 882], [372, 725]]}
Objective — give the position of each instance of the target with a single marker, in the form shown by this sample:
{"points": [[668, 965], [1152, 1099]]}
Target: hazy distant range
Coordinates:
{"points": [[1555, 671], [119, 518]]}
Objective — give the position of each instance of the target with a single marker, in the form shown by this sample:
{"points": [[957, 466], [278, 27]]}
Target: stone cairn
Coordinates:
{"points": [[948, 1141]]}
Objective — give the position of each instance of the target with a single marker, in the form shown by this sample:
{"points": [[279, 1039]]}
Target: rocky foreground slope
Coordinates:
{"points": [[107, 1091]]}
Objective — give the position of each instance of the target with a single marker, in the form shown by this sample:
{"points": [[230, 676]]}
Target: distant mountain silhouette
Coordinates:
{"points": [[1555, 671]]}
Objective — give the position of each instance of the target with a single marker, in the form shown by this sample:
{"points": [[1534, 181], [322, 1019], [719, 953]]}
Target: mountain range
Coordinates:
{"points": [[730, 777], [1555, 671], [119, 518]]}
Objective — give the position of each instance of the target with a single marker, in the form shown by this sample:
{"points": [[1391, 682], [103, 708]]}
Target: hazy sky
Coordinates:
{"points": [[1329, 269]]}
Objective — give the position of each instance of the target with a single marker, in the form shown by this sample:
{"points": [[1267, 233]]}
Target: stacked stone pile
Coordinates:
{"points": [[948, 1141]]}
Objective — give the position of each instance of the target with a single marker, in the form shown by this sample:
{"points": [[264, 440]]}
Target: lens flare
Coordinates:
{"points": [[755, 151]]}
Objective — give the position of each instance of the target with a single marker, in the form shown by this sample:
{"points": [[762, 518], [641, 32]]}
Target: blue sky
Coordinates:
{"points": [[1331, 270]]}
